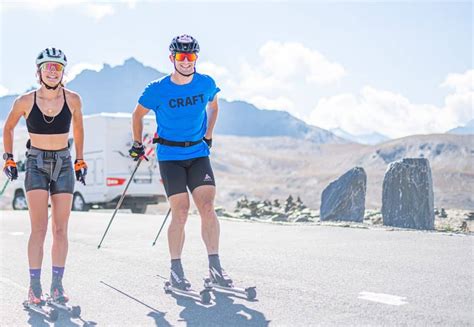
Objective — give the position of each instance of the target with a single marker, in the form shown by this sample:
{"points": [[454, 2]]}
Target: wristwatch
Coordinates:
{"points": [[7, 156]]}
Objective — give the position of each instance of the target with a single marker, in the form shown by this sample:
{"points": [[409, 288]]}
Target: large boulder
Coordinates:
{"points": [[344, 198], [407, 198]]}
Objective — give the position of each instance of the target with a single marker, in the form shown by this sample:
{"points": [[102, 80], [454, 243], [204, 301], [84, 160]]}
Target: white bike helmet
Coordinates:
{"points": [[51, 55]]}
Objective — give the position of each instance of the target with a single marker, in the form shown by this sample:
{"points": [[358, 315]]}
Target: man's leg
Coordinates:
{"points": [[179, 204], [202, 184], [203, 197], [173, 175]]}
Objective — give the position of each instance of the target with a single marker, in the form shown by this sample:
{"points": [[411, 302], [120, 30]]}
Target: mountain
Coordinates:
{"points": [[117, 89], [463, 130], [372, 138], [275, 167]]}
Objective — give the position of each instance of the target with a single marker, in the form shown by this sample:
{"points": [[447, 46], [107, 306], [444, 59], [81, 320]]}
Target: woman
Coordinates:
{"points": [[48, 112]]}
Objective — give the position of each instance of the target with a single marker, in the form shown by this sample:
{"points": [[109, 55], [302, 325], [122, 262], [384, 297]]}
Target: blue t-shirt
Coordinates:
{"points": [[180, 114]]}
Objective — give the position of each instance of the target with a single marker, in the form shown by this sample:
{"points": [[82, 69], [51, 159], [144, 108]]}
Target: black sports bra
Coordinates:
{"points": [[39, 123]]}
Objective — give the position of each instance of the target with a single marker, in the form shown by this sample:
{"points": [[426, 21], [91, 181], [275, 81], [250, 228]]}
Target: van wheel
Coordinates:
{"points": [[19, 201], [78, 203], [138, 208]]}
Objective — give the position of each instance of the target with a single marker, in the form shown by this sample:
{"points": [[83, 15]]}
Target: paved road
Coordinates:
{"points": [[306, 275]]}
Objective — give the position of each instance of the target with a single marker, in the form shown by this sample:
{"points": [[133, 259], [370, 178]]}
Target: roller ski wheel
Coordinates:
{"points": [[74, 311], [204, 296], [249, 292], [50, 314]]}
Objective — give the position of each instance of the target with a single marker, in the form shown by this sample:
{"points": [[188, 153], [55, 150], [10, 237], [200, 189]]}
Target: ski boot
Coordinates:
{"points": [[36, 302], [218, 280], [35, 293], [218, 276], [57, 291], [181, 286], [179, 282]]}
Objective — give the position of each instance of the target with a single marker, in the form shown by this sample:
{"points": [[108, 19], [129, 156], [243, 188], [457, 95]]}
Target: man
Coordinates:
{"points": [[185, 104]]}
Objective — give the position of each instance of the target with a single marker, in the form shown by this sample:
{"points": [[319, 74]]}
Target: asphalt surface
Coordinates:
{"points": [[306, 275]]}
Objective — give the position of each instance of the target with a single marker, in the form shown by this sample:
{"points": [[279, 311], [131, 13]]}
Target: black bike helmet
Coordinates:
{"points": [[184, 43]]}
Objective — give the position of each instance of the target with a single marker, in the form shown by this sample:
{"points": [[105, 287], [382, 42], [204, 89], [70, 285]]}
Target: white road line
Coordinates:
{"points": [[12, 283], [382, 298]]}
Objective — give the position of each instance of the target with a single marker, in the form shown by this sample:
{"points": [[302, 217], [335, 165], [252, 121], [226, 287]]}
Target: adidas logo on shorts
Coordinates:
{"points": [[207, 178]]}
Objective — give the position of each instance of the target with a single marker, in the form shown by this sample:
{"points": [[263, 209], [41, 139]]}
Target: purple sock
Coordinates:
{"points": [[58, 272], [35, 273]]}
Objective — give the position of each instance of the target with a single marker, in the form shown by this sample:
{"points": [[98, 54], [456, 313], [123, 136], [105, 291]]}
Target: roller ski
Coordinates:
{"points": [[181, 286], [58, 300], [220, 281], [37, 303]]}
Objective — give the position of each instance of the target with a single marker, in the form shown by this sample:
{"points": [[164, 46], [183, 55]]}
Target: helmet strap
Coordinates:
{"points": [[47, 86]]}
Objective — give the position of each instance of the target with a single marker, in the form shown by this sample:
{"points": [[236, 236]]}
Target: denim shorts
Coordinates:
{"points": [[50, 171]]}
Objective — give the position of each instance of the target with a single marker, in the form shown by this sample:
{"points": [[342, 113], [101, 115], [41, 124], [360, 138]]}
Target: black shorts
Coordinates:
{"points": [[179, 174]]}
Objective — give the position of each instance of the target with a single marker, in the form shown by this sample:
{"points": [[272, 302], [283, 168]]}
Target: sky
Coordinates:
{"points": [[395, 68]]}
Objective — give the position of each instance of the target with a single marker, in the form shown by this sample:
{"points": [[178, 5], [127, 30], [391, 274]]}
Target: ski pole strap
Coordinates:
{"points": [[183, 144]]}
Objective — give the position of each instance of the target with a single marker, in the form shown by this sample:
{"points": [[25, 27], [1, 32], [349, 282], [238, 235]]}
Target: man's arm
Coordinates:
{"points": [[77, 124], [137, 122], [212, 110]]}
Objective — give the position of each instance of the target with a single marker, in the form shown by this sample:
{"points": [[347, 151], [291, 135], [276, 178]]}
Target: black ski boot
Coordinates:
{"points": [[219, 276], [178, 281]]}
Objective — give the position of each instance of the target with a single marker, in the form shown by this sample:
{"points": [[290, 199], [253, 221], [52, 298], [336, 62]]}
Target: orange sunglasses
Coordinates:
{"points": [[180, 56]]}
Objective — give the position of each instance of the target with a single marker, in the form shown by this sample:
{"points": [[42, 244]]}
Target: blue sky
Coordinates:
{"points": [[396, 68]]}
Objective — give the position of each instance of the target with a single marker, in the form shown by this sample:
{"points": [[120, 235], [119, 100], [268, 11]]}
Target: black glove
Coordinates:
{"points": [[80, 168], [137, 151], [9, 167], [208, 142]]}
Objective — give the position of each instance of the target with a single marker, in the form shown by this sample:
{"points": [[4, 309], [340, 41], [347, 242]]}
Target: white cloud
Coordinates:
{"points": [[394, 115], [460, 82], [40, 5], [284, 64], [131, 3], [76, 69], [99, 11], [292, 59], [211, 69], [95, 9], [282, 68], [278, 103], [3, 91]]}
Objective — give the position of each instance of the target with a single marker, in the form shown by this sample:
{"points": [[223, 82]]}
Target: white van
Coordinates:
{"points": [[107, 139]]}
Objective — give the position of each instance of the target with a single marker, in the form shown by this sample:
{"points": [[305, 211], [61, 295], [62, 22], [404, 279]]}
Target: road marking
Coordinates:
{"points": [[12, 283], [383, 298], [16, 233]]}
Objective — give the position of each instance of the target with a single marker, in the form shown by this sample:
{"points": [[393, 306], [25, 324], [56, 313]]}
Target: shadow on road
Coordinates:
{"points": [[224, 312], [37, 319], [155, 314]]}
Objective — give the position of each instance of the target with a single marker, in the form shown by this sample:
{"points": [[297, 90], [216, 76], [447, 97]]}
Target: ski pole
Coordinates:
{"points": [[162, 225], [119, 203], [4, 186]]}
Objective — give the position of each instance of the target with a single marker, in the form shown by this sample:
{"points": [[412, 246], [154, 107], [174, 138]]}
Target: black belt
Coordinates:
{"points": [[183, 144]]}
